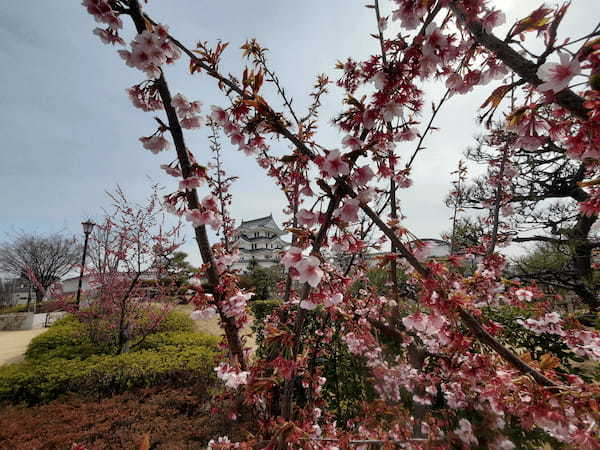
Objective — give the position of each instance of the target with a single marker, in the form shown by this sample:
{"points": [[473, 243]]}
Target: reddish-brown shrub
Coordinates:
{"points": [[175, 419]]}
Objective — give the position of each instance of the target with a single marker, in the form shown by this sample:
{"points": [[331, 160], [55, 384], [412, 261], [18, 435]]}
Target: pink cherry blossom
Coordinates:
{"points": [[219, 115], [493, 19], [353, 142], [349, 211], [363, 175], [190, 183], [237, 138], [187, 112], [204, 314], [216, 222], [309, 271], [334, 164], [199, 217], [108, 36], [230, 128], [465, 432], [210, 202], [232, 377], [155, 144], [235, 306], [308, 305], [150, 50], [173, 171], [306, 191], [556, 76], [307, 218], [366, 195], [335, 299], [391, 110], [407, 134], [103, 13], [408, 15], [292, 257], [524, 295], [369, 117]]}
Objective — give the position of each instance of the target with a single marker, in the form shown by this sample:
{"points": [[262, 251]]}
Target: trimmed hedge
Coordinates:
{"points": [[13, 309], [64, 359], [68, 338], [176, 321], [178, 340], [38, 381]]}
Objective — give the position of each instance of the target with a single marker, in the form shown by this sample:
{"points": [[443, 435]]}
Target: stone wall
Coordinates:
{"points": [[18, 321]]}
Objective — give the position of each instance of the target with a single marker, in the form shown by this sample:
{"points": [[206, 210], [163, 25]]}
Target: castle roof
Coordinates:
{"points": [[261, 222]]}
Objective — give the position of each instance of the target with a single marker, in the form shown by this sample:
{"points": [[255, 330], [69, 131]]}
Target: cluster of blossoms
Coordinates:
{"points": [[583, 342], [222, 443], [305, 269], [204, 314], [328, 301], [232, 377], [465, 432], [235, 306], [188, 112], [235, 132], [334, 164], [347, 244], [431, 328], [145, 96], [150, 50], [208, 213], [103, 13], [156, 143]]}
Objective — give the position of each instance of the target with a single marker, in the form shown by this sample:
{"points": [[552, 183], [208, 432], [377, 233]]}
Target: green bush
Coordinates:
{"points": [[13, 309], [31, 382], [67, 339], [179, 340], [176, 321]]}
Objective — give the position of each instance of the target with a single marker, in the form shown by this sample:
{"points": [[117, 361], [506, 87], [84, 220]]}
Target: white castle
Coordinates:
{"points": [[259, 242]]}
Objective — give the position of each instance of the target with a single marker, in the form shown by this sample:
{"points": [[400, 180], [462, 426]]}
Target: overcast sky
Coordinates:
{"points": [[70, 133]]}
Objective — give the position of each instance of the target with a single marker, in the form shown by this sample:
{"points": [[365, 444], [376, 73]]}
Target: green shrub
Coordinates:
{"points": [[31, 382], [179, 340], [67, 339], [13, 309], [176, 321]]}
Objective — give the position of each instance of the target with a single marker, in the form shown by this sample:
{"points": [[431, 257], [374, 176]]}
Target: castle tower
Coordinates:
{"points": [[259, 242]]}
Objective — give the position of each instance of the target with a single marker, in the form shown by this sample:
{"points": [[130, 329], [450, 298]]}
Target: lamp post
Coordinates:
{"points": [[87, 229]]}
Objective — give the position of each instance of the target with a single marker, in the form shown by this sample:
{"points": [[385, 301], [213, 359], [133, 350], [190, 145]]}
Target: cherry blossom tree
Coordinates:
{"points": [[465, 387], [131, 287]]}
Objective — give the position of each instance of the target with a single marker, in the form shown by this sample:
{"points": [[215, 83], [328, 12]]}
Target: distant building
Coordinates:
{"points": [[259, 242], [18, 291], [68, 286]]}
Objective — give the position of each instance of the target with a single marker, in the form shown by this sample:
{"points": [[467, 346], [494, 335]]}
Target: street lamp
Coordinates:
{"points": [[88, 226]]}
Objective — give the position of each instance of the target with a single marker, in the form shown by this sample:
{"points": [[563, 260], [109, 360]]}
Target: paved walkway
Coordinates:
{"points": [[14, 343]]}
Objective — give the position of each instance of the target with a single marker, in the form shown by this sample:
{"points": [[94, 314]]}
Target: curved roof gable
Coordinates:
{"points": [[261, 222]]}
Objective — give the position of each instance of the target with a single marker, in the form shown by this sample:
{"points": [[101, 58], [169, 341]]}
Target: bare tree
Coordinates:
{"points": [[42, 259]]}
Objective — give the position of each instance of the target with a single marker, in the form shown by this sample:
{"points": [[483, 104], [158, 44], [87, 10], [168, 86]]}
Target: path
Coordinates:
{"points": [[14, 343]]}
